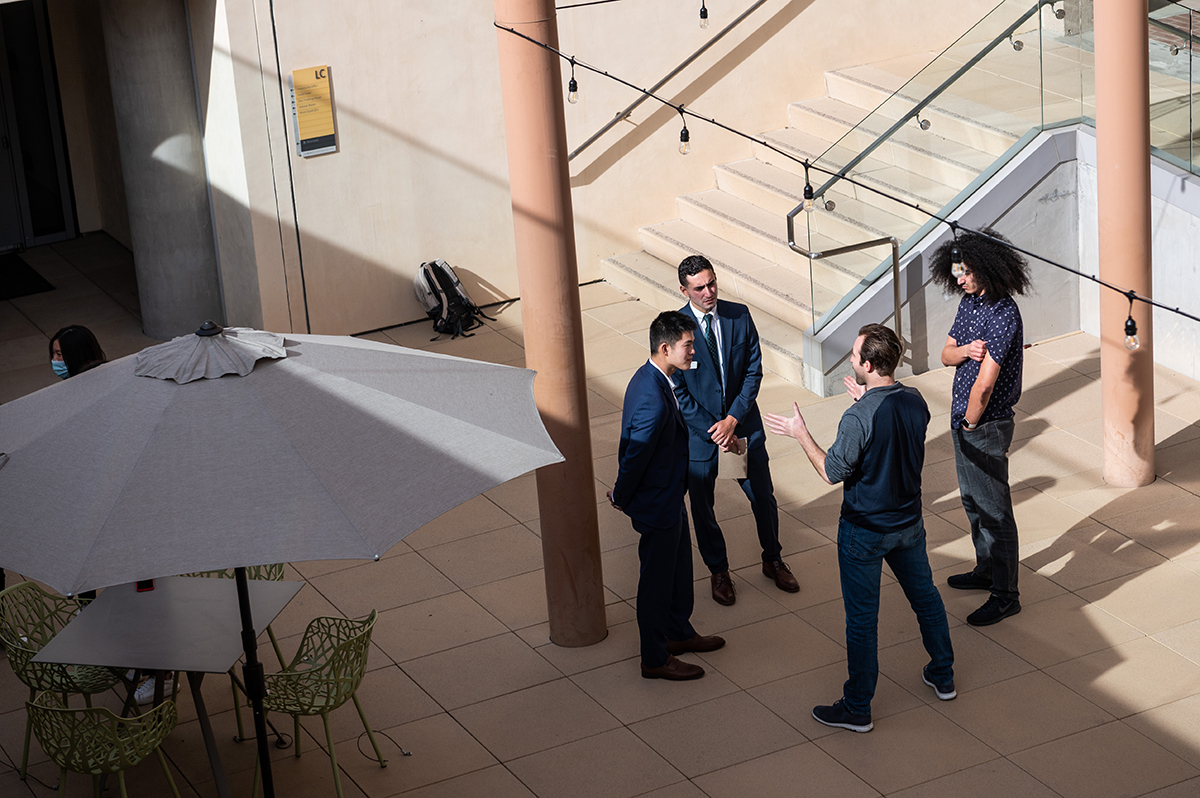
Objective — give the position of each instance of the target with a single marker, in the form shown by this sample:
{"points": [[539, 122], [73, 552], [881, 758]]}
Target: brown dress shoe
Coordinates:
{"points": [[697, 644], [779, 571], [675, 670], [722, 589]]}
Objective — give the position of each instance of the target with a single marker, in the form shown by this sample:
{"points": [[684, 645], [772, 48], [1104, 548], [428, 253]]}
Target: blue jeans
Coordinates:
{"points": [[861, 554], [981, 457]]}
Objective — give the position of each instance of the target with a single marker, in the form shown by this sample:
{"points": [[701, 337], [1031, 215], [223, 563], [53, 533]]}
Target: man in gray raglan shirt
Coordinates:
{"points": [[878, 455]]}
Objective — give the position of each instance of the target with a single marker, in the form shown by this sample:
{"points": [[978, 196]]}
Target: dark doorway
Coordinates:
{"points": [[35, 197]]}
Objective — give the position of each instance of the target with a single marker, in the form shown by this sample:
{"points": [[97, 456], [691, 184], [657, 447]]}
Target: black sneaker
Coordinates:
{"points": [[970, 581], [994, 610], [946, 691], [838, 717]]}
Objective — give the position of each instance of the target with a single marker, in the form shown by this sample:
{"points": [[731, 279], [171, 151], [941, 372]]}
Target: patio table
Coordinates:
{"points": [[186, 624]]}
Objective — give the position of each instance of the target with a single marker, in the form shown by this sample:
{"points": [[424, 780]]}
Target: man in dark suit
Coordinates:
{"points": [[718, 398], [651, 479]]}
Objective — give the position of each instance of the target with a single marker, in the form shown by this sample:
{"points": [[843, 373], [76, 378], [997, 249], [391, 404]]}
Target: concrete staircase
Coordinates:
{"points": [[740, 225]]}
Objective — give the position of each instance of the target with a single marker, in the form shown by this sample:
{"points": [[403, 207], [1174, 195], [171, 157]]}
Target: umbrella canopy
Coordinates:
{"points": [[328, 447]]}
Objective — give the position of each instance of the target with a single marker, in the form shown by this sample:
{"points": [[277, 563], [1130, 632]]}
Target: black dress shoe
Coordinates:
{"points": [[722, 589], [970, 581], [675, 670], [779, 571], [697, 644]]}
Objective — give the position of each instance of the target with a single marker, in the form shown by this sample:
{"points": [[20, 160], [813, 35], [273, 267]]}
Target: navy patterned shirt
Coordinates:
{"points": [[998, 323]]}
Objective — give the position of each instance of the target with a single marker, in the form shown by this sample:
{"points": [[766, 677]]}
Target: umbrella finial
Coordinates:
{"points": [[208, 328]]}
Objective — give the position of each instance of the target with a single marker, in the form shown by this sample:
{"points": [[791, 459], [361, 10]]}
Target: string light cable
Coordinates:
{"points": [[955, 226]]}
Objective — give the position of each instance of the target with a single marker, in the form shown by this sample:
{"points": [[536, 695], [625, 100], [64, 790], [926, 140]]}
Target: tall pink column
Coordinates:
{"points": [[535, 128], [1123, 178]]}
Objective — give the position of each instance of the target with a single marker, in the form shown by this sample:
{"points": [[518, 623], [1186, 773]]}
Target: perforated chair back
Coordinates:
{"points": [[326, 670], [325, 673], [30, 617], [96, 742]]}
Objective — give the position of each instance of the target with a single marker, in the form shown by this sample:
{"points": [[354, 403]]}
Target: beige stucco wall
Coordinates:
{"points": [[330, 244]]}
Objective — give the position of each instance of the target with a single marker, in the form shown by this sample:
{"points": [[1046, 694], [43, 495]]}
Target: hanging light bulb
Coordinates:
{"points": [[685, 145], [809, 204], [703, 15], [957, 267], [572, 86], [1132, 342]]}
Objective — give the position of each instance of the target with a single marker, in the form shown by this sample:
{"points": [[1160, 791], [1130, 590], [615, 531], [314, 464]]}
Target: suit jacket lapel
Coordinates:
{"points": [[664, 385]]}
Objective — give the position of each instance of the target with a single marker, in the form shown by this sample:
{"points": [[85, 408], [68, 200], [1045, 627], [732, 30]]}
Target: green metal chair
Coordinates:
{"points": [[266, 573], [98, 743], [30, 617], [326, 671]]}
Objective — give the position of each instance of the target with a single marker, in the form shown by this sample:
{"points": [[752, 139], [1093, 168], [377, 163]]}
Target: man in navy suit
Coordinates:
{"points": [[651, 479], [718, 397]]}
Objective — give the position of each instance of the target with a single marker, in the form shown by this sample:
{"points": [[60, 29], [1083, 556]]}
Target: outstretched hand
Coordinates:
{"points": [[790, 426], [853, 388]]}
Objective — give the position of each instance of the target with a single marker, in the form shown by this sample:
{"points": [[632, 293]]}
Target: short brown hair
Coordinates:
{"points": [[881, 348]]}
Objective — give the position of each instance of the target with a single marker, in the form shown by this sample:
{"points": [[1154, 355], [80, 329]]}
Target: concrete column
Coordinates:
{"points": [[1123, 181], [535, 129], [162, 162]]}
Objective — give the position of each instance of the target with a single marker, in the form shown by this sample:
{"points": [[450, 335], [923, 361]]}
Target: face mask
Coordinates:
{"points": [[60, 368]]}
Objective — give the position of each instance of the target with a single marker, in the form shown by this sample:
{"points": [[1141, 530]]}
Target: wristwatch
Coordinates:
{"points": [[968, 426]]}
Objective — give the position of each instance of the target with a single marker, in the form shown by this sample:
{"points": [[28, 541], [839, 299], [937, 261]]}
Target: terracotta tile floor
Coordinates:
{"points": [[1094, 690]]}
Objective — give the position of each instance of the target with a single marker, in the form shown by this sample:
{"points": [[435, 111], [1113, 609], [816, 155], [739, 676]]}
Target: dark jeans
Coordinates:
{"points": [[981, 456], [665, 596], [861, 554], [702, 480]]}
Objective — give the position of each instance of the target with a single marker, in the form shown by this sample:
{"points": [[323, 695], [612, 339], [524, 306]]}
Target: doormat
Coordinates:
{"points": [[17, 278]]}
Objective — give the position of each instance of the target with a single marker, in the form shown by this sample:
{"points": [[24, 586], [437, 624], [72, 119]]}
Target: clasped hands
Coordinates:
{"points": [[724, 434]]}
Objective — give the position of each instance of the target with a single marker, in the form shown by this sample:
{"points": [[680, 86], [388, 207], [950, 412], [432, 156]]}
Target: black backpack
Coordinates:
{"points": [[440, 292]]}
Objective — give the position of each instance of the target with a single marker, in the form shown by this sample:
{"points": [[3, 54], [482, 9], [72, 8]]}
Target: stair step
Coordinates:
{"points": [[871, 87], [765, 234], [910, 147], [779, 191], [654, 281], [782, 291], [918, 189]]}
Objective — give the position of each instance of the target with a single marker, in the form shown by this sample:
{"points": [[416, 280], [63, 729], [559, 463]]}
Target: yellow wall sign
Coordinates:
{"points": [[312, 111]]}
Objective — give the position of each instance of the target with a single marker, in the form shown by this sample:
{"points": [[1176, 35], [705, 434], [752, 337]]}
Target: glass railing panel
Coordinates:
{"points": [[929, 139], [993, 72], [1068, 91], [1172, 41], [1021, 69]]}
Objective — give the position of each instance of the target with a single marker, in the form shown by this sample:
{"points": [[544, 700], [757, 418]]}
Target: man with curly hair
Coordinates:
{"points": [[985, 346]]}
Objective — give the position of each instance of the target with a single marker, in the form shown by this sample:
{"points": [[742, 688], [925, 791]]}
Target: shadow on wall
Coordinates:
{"points": [[696, 88]]}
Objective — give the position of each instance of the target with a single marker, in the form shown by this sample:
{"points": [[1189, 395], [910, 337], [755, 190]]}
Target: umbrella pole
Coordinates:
{"points": [[256, 686]]}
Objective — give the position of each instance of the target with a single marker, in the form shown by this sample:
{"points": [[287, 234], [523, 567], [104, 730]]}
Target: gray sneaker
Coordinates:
{"points": [[946, 692], [838, 717]]}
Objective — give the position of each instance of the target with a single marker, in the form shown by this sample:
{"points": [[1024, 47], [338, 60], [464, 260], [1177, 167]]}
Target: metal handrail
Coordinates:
{"points": [[1180, 33], [621, 115]]}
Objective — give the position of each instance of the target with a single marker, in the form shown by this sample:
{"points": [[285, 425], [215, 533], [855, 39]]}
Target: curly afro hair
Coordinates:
{"points": [[999, 269]]}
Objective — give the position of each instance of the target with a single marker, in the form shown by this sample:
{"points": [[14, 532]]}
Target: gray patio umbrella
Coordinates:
{"points": [[238, 447]]}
